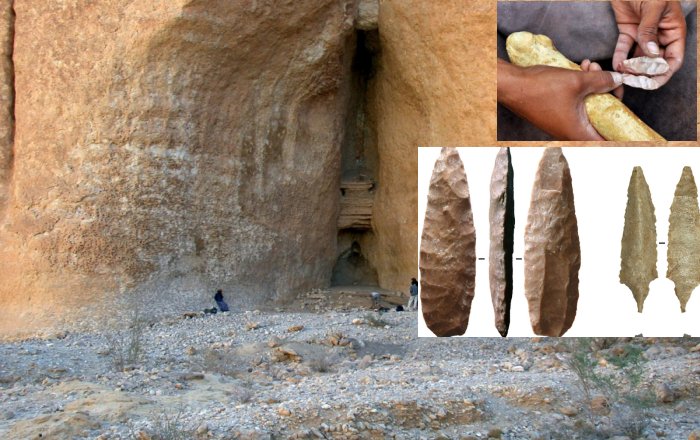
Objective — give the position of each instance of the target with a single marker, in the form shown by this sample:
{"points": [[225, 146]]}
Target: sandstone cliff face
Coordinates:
{"points": [[6, 96], [434, 87], [168, 148]]}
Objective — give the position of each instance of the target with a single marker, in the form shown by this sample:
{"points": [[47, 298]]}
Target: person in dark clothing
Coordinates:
{"points": [[219, 298], [376, 299], [413, 290]]}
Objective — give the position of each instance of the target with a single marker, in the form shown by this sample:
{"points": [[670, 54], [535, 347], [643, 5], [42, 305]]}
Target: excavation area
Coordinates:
{"points": [[336, 369]]}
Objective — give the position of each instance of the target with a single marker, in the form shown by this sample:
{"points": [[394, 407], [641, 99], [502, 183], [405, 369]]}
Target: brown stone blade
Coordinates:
{"points": [[684, 238], [638, 250], [447, 251], [502, 224], [552, 253]]}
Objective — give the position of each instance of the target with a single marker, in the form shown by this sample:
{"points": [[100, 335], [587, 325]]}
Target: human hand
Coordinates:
{"points": [[552, 98], [658, 28]]}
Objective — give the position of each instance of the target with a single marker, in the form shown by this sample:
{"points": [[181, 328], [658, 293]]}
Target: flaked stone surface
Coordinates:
{"points": [[447, 254], [638, 248], [640, 81], [646, 65], [552, 252], [502, 224], [684, 238]]}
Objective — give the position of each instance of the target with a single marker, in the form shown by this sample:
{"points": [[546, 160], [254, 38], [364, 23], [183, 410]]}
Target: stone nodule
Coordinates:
{"points": [[610, 117]]}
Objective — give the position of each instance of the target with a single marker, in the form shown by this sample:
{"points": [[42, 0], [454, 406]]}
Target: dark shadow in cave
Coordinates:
{"points": [[353, 269], [359, 161]]}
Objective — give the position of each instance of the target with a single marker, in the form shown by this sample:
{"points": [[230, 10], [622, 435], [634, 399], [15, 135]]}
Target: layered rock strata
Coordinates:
{"points": [[552, 252], [502, 224], [447, 251], [638, 248], [684, 238]]}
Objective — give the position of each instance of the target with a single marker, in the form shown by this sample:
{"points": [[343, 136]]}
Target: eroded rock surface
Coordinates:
{"points": [[424, 93], [502, 224], [638, 254], [171, 148], [684, 238], [7, 97], [447, 253], [167, 149], [552, 252]]}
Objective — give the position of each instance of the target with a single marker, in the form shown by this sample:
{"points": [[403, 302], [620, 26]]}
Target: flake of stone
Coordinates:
{"points": [[646, 66], [552, 253], [640, 82], [638, 247], [447, 252], [502, 223], [684, 238]]}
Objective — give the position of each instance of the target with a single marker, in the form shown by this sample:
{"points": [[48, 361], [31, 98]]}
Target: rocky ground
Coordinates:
{"points": [[335, 371]]}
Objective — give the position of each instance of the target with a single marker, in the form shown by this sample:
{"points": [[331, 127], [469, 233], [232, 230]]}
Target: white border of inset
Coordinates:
{"points": [[600, 179]]}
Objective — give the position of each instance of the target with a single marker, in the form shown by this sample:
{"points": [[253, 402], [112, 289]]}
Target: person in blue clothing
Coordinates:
{"points": [[219, 298]]}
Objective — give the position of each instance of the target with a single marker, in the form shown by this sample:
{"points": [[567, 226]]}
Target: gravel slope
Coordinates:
{"points": [[339, 374]]}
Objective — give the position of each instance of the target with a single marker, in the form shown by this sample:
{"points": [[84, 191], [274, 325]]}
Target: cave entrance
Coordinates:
{"points": [[359, 170], [352, 268]]}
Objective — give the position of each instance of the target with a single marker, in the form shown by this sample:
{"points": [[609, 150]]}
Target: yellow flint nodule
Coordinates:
{"points": [[608, 115]]}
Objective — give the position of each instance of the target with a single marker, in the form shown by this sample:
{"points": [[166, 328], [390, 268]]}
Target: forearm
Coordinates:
{"points": [[509, 83]]}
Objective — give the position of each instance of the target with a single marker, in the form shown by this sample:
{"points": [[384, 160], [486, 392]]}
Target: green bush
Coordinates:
{"points": [[621, 383], [126, 346]]}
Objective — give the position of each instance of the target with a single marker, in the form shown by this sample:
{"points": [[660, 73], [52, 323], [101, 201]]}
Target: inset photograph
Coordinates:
{"points": [[583, 242], [597, 71]]}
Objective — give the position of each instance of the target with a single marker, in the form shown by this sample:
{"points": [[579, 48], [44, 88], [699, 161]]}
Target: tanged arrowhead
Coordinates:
{"points": [[502, 223], [638, 254], [552, 253], [684, 238], [447, 251]]}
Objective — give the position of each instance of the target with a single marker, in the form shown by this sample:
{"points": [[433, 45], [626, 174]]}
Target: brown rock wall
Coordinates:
{"points": [[166, 149], [435, 87], [6, 96]]}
